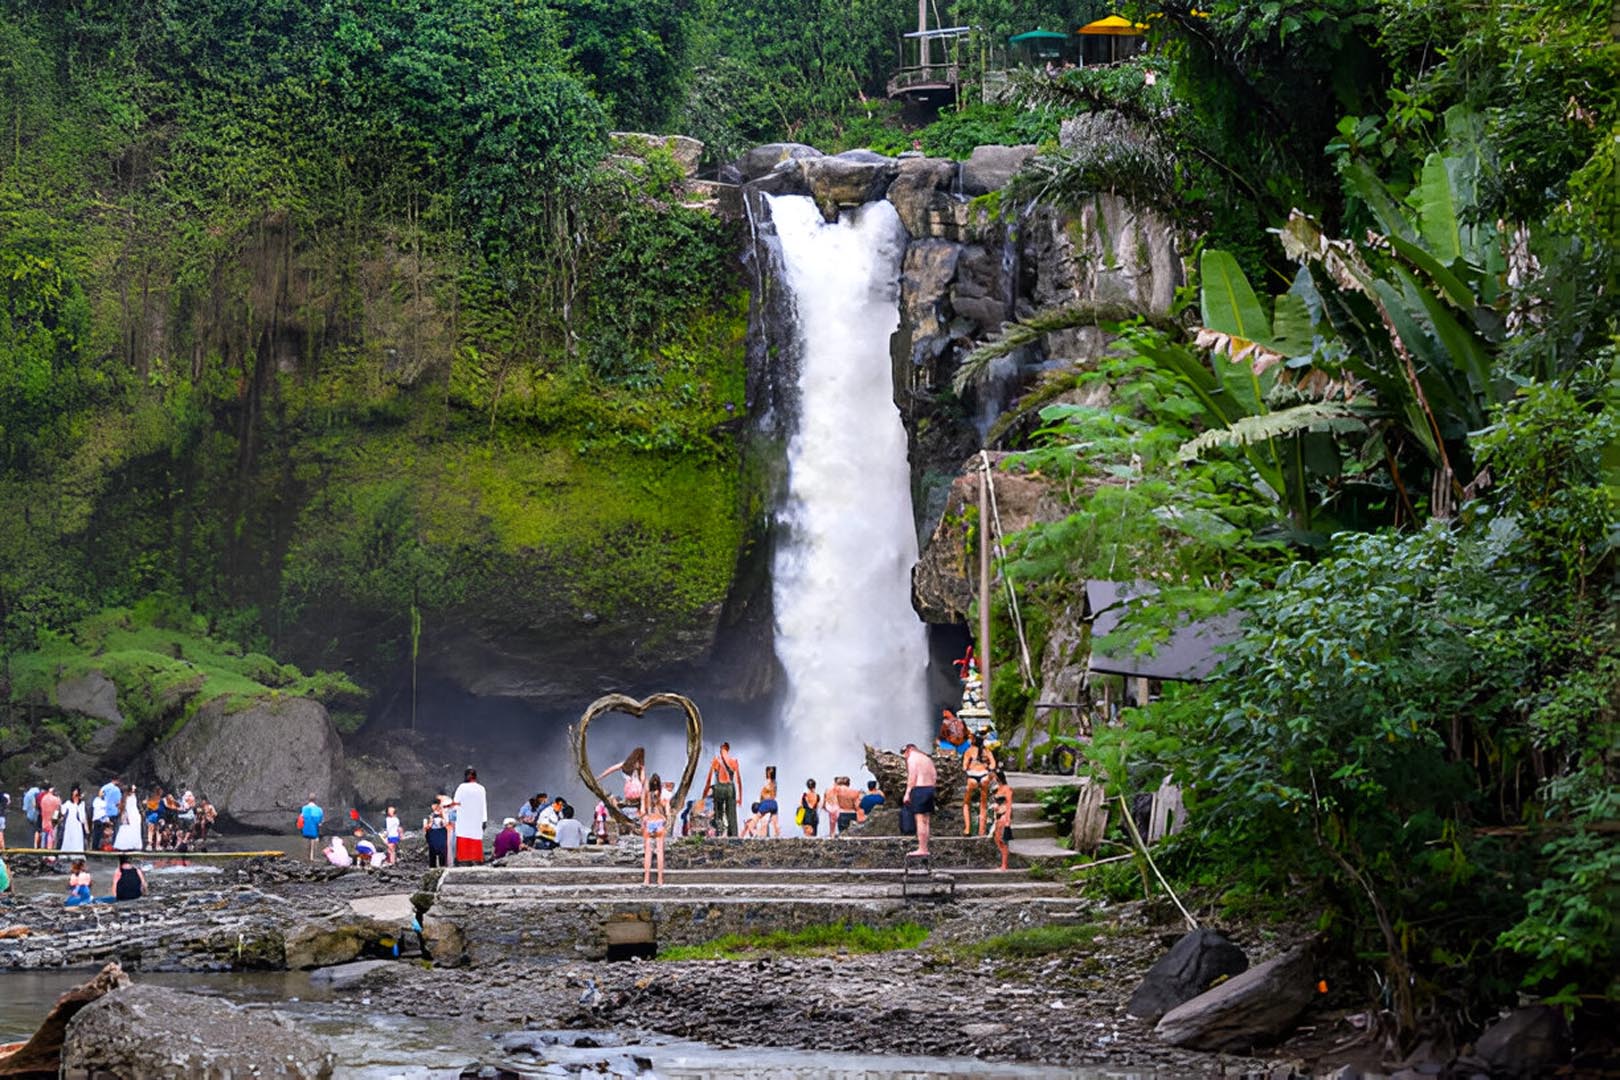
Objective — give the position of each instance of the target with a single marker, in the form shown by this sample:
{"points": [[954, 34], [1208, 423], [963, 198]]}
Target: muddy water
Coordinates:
{"points": [[374, 1045]]}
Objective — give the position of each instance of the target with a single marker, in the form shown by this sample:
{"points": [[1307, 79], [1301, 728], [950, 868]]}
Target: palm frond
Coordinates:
{"points": [[1314, 416], [1016, 335]]}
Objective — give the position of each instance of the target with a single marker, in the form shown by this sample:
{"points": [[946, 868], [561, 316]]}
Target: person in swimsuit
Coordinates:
{"points": [[654, 827], [770, 823], [78, 884], [130, 884], [977, 765], [1004, 801], [843, 804], [634, 767], [809, 802]]}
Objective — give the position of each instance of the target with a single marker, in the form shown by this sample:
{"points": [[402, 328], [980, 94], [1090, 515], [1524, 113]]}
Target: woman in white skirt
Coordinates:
{"points": [[73, 822], [129, 823]]}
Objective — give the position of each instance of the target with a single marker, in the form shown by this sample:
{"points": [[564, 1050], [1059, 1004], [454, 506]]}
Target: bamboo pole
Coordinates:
{"points": [[59, 853], [984, 577]]}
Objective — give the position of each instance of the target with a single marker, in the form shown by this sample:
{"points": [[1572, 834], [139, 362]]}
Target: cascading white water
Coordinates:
{"points": [[854, 651]]}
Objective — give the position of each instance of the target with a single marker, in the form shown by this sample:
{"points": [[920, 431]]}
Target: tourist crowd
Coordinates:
{"points": [[115, 818]]}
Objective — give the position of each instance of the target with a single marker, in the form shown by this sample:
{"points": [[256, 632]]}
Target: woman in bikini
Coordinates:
{"points": [[810, 802], [634, 767], [977, 765], [769, 822], [1004, 801], [654, 826]]}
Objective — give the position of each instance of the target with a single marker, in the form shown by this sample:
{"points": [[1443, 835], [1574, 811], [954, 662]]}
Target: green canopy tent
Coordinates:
{"points": [[1034, 47]]}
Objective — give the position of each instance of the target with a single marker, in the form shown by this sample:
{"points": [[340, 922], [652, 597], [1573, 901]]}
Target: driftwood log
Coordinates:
{"points": [[626, 704]]}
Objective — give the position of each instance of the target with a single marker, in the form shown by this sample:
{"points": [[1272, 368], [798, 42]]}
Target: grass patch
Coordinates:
{"points": [[1039, 941], [811, 941]]}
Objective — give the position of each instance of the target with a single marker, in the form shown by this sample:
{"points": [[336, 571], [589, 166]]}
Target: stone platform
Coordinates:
{"points": [[582, 902]]}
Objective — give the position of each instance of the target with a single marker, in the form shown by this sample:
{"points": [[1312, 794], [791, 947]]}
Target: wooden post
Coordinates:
{"points": [[984, 577]]}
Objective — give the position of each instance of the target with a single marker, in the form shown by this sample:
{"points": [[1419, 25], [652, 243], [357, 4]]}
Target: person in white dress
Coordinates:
{"points": [[472, 811], [129, 823], [74, 822]]}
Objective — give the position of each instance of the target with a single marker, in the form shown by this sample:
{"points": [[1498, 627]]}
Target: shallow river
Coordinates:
{"points": [[384, 1046]]}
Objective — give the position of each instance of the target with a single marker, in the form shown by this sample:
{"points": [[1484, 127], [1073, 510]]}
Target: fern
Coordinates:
{"points": [[1016, 335], [1244, 431]]}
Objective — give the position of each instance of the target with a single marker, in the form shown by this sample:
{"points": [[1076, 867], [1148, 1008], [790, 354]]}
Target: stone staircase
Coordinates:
{"points": [[1033, 837]]}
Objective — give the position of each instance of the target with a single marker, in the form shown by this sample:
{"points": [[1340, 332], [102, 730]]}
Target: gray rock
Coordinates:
{"points": [[848, 179], [393, 909], [786, 179], [339, 976], [688, 152], [1187, 970], [335, 940], [762, 159], [92, 695], [145, 1032], [257, 765], [1524, 1043], [921, 194], [443, 941], [1255, 1007], [925, 279], [989, 168]]}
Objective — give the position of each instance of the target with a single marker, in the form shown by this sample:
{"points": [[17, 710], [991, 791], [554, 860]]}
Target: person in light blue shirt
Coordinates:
{"points": [[309, 824], [112, 800]]}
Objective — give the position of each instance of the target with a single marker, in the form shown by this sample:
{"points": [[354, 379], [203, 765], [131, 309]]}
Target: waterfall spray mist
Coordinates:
{"points": [[853, 649]]}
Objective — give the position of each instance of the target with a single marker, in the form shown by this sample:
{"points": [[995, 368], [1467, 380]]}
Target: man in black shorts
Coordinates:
{"points": [[920, 779]]}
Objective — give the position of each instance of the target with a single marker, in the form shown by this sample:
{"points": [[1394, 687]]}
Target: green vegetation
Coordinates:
{"points": [[1036, 941], [166, 664], [823, 940], [1388, 440]]}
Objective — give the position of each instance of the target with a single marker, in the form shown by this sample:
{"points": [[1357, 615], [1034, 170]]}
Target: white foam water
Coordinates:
{"points": [[854, 652]]}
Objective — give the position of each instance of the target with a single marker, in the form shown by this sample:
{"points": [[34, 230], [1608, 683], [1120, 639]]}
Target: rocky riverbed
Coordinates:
{"points": [[1059, 1004]]}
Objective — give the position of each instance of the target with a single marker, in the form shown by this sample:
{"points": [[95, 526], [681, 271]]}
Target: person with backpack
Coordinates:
{"points": [[309, 824]]}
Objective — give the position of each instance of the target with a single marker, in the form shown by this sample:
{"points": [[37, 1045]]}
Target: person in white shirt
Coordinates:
{"points": [[546, 824], [471, 803], [393, 832]]}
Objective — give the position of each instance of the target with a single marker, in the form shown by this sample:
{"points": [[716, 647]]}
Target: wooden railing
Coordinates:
{"points": [[924, 76]]}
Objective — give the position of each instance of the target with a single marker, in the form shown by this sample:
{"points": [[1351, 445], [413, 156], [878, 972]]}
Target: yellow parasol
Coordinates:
{"points": [[1113, 26]]}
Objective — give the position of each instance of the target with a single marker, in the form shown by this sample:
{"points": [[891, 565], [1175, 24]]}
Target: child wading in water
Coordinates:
{"points": [[654, 826]]}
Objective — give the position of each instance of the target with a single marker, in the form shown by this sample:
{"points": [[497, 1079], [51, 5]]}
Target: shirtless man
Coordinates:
{"points": [[725, 782], [842, 801], [920, 778]]}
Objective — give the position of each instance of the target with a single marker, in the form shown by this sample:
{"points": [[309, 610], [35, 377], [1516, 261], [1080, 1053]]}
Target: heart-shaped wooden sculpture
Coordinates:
{"points": [[626, 704]]}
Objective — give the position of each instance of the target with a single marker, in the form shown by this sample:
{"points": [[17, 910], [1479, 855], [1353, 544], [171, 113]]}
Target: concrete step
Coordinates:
{"points": [[1032, 830], [585, 876], [1027, 787], [673, 891], [1039, 848], [450, 906]]}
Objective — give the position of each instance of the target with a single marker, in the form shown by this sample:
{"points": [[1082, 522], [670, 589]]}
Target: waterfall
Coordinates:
{"points": [[853, 650]]}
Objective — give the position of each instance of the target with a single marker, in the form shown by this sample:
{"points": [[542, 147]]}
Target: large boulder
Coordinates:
{"points": [[687, 151], [847, 180], [888, 768], [145, 1032], [41, 1055], [922, 196], [259, 764], [1526, 1042], [369, 929], [990, 168], [92, 694], [1191, 966], [1247, 1010], [756, 163]]}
